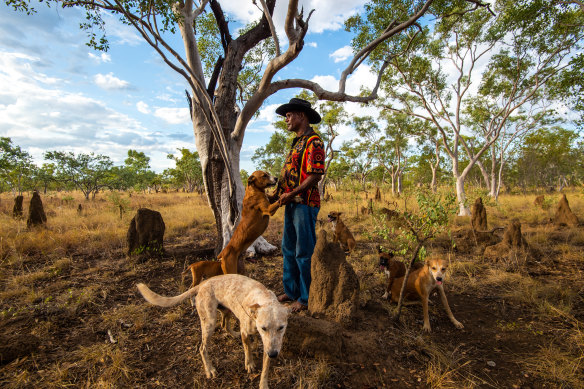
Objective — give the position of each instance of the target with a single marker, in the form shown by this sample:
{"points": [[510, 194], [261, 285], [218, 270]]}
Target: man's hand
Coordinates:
{"points": [[272, 198], [310, 181], [285, 198]]}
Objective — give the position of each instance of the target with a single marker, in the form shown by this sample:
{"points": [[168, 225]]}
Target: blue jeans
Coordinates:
{"points": [[298, 241]]}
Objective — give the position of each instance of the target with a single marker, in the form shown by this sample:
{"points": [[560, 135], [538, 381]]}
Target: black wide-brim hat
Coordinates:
{"points": [[299, 105]]}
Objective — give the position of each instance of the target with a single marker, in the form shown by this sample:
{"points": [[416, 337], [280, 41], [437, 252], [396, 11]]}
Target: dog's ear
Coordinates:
{"points": [[253, 310], [251, 180]]}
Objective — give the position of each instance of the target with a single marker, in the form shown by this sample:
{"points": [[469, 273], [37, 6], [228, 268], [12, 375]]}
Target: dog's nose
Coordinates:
{"points": [[273, 354], [439, 279]]}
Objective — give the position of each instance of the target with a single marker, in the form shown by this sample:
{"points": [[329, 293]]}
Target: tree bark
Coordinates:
{"points": [[461, 196]]}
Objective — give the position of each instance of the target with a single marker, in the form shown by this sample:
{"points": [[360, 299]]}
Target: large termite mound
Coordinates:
{"points": [[377, 195], [17, 211], [334, 290], [479, 215], [564, 215], [145, 235], [36, 211], [513, 250]]}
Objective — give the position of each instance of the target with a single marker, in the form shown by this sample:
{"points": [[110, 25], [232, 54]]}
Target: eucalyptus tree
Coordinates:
{"points": [[136, 170], [45, 176], [362, 153], [509, 60], [512, 133], [333, 115], [272, 155], [86, 172], [399, 128], [430, 150], [548, 158], [187, 172], [16, 165], [223, 103]]}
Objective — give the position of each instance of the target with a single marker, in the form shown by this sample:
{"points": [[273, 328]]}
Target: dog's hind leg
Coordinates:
{"points": [[249, 362], [227, 322], [207, 309]]}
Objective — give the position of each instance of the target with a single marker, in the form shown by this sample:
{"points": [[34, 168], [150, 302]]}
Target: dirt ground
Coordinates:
{"points": [[112, 338]]}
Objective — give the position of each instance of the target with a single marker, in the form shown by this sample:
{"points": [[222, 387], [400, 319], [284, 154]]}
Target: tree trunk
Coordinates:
{"points": [[215, 176], [461, 196], [399, 183], [500, 183], [494, 187], [433, 184], [485, 175]]}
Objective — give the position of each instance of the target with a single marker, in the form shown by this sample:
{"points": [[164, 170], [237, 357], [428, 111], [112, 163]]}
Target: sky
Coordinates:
{"points": [[56, 93]]}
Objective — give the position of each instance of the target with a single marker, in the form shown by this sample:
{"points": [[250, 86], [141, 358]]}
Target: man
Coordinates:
{"points": [[300, 175]]}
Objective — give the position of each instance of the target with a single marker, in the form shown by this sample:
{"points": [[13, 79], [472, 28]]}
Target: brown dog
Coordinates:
{"points": [[255, 216], [341, 232], [393, 269], [202, 269], [421, 283]]}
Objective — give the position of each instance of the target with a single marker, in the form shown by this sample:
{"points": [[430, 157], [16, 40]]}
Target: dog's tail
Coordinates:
{"points": [[162, 301], [187, 270]]}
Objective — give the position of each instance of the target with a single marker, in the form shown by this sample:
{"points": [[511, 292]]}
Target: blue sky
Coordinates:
{"points": [[58, 94]]}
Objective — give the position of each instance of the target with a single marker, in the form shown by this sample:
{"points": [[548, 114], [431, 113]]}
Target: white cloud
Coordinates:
{"points": [[110, 82], [268, 113], [142, 107], [312, 44], [103, 57], [328, 14], [173, 115], [329, 83], [41, 117], [166, 97], [342, 54]]}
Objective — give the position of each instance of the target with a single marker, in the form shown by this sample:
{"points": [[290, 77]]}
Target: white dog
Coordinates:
{"points": [[256, 307]]}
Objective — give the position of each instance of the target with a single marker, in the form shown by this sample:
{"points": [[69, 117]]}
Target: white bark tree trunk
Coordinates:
{"points": [[463, 210], [433, 183], [485, 175]]}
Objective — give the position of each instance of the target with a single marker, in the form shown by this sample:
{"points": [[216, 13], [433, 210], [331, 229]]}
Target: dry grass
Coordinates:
{"points": [[558, 366], [99, 228], [563, 362], [74, 268]]}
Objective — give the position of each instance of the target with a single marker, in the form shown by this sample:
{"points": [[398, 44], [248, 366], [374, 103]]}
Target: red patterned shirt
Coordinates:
{"points": [[306, 157]]}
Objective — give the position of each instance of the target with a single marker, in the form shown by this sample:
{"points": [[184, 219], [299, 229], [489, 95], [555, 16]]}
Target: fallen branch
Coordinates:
{"points": [[403, 288]]}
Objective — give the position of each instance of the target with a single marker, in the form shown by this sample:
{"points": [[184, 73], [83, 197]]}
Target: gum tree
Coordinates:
{"points": [[508, 59], [243, 73], [16, 165], [86, 172]]}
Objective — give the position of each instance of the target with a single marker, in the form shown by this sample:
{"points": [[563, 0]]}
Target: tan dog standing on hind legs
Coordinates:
{"points": [[255, 216], [421, 282], [341, 232], [256, 307]]}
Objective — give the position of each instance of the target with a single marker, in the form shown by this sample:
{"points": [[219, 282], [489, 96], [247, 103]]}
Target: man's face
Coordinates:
{"points": [[294, 121]]}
